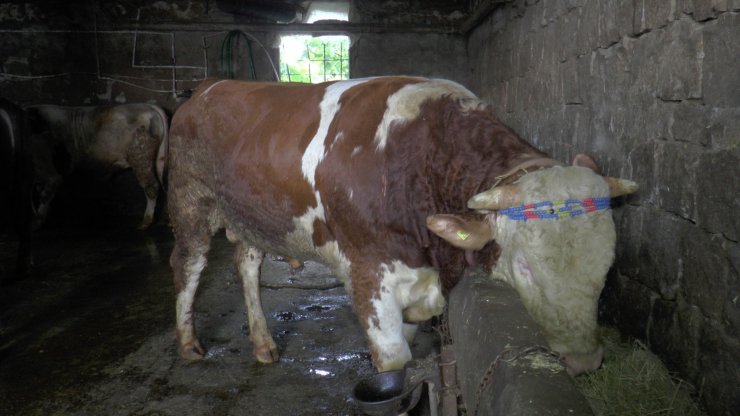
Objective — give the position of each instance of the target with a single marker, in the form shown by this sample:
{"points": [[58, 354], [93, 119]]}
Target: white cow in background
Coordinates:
{"points": [[112, 137]]}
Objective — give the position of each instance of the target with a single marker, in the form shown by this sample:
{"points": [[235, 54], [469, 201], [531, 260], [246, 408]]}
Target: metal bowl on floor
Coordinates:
{"points": [[385, 394]]}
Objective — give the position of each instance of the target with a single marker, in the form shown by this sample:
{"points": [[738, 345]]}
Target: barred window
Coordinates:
{"points": [[305, 58]]}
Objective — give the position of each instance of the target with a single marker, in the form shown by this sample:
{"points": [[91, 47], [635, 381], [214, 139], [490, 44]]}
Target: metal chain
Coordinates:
{"points": [[442, 328], [509, 355]]}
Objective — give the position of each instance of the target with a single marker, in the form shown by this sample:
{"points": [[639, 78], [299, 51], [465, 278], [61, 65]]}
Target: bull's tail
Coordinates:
{"points": [[160, 163]]}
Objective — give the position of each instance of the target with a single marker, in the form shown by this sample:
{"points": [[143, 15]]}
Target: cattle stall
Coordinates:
{"points": [[119, 149]]}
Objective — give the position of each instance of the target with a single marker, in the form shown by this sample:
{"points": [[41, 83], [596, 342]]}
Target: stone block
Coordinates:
{"points": [[676, 178], [689, 122], [653, 14], [627, 305], [578, 120], [587, 28], [680, 61], [724, 128], [650, 250], [718, 192], [667, 62], [720, 75], [731, 314], [604, 23], [719, 371], [704, 272], [640, 167], [703, 10], [674, 332], [567, 33], [616, 21]]}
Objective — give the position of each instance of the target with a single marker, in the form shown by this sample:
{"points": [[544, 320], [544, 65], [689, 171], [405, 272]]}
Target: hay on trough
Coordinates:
{"points": [[633, 381]]}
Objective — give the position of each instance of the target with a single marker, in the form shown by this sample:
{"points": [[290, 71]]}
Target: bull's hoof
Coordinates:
{"points": [[266, 354], [192, 351]]}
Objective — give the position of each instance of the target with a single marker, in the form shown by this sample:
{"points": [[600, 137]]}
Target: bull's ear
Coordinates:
{"points": [[586, 161], [464, 232]]}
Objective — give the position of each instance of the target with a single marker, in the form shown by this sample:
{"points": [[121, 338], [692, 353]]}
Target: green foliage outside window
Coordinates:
{"points": [[320, 59]]}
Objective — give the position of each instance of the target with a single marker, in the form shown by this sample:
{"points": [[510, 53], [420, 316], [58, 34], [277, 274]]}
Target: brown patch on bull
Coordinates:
{"points": [[321, 234], [260, 146]]}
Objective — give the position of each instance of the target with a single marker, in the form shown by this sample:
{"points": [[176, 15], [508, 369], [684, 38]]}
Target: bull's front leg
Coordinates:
{"points": [[382, 318], [388, 305], [248, 261]]}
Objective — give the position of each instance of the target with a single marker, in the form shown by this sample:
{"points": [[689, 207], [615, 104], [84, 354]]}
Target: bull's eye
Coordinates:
{"points": [[552, 210]]}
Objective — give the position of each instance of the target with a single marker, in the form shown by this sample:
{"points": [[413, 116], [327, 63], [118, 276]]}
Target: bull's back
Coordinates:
{"points": [[271, 152], [242, 143]]}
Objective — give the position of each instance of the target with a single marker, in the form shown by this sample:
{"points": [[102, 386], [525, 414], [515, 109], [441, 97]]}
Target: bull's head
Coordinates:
{"points": [[557, 239]]}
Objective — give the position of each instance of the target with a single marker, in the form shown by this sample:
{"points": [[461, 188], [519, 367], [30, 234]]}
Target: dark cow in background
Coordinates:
{"points": [[112, 138], [366, 175], [16, 182]]}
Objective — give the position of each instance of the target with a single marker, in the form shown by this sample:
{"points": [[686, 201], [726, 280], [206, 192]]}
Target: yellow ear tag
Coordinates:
{"points": [[463, 235]]}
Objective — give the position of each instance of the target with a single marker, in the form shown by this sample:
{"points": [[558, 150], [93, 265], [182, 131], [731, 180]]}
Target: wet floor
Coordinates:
{"points": [[91, 332]]}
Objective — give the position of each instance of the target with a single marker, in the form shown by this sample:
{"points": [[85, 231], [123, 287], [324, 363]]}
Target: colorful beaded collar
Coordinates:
{"points": [[553, 210]]}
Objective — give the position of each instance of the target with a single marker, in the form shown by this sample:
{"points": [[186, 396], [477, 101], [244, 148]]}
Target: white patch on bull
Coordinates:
{"points": [[300, 240], [300, 243], [406, 294], [211, 87], [339, 137], [9, 124], [329, 107], [356, 151], [558, 267], [405, 104], [184, 303], [337, 261]]}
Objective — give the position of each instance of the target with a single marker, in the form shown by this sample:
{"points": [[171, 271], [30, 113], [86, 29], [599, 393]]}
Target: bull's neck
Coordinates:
{"points": [[522, 165]]}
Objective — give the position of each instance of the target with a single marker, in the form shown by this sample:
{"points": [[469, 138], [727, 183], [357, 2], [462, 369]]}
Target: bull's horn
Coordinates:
{"points": [[498, 197], [619, 187]]}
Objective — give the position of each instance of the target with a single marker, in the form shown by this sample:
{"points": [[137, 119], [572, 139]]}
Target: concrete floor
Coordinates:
{"points": [[91, 332]]}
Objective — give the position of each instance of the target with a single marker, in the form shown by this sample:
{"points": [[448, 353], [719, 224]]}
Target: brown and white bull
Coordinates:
{"points": [[112, 138], [366, 175]]}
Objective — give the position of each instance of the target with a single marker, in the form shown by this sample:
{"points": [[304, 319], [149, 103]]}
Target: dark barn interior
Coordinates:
{"points": [[650, 89]]}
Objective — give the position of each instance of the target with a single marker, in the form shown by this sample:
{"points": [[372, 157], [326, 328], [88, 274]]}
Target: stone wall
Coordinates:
{"points": [[137, 51], [87, 53], [652, 90], [421, 54]]}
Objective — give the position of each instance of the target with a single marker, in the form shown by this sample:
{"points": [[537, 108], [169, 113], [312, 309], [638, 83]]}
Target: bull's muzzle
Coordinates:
{"points": [[576, 364]]}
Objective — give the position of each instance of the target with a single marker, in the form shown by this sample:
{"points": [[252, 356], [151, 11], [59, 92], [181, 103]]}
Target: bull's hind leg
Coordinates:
{"points": [[141, 156], [188, 261], [248, 261]]}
